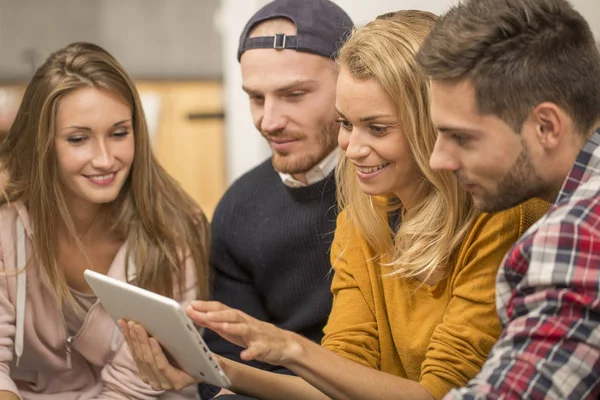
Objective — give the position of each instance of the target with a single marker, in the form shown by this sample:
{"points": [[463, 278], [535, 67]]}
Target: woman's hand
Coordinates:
{"points": [[262, 341], [153, 366]]}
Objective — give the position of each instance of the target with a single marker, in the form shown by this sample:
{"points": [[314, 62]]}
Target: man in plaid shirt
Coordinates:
{"points": [[516, 99]]}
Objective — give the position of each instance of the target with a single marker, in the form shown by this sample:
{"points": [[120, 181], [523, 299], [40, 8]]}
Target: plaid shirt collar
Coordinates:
{"points": [[587, 162]]}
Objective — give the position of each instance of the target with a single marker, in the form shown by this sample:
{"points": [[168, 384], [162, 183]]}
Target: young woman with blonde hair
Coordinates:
{"points": [[415, 264], [82, 189]]}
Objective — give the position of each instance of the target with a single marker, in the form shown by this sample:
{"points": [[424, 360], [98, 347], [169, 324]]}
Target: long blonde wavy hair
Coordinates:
{"points": [[425, 242], [161, 223]]}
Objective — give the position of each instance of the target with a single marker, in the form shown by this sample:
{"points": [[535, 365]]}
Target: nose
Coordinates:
{"points": [[103, 158], [353, 144], [273, 118], [443, 157]]}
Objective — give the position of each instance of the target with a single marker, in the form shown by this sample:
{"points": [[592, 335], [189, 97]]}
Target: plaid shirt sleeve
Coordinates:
{"points": [[548, 302]]}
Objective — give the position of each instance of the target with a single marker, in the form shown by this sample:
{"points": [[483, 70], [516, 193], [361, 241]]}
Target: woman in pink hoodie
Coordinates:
{"points": [[82, 189]]}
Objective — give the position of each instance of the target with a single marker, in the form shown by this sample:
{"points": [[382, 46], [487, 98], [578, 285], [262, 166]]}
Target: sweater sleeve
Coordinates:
{"points": [[470, 326], [120, 377], [351, 330], [232, 284], [7, 332]]}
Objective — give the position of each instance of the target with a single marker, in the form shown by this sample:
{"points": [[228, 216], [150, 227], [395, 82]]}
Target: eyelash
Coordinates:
{"points": [[296, 95], [80, 139], [378, 130], [347, 126], [461, 140], [375, 130]]}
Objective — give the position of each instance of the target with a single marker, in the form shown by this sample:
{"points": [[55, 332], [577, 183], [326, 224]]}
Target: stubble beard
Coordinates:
{"points": [[520, 183], [294, 164]]}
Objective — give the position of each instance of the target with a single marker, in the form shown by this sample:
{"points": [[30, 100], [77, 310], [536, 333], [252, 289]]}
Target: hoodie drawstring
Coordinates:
{"points": [[21, 290]]}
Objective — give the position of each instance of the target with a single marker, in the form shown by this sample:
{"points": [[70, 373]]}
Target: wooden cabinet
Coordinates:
{"points": [[10, 98], [186, 123]]}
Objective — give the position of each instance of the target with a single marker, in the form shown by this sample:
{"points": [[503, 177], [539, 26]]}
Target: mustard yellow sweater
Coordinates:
{"points": [[437, 335]]}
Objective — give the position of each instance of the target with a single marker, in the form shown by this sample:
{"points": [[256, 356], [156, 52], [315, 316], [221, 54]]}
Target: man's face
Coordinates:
{"points": [[292, 100], [493, 162]]}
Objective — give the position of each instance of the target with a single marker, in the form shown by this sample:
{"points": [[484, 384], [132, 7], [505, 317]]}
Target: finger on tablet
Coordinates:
{"points": [[124, 328], [146, 356], [239, 330], [138, 354], [230, 315], [156, 350], [177, 379], [205, 306], [199, 317]]}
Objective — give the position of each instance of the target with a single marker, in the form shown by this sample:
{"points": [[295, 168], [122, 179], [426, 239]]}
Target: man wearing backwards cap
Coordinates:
{"points": [[273, 228]]}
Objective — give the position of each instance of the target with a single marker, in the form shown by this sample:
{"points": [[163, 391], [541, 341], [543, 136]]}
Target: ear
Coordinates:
{"points": [[551, 124]]}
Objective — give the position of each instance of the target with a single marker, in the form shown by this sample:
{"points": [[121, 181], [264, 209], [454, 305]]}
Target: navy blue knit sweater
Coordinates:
{"points": [[270, 254]]}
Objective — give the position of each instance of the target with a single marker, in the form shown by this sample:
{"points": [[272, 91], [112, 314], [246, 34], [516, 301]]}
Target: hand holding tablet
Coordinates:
{"points": [[163, 319]]}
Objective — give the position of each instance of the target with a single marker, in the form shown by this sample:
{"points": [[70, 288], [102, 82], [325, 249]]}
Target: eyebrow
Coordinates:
{"points": [[369, 118], [292, 85], [87, 128], [453, 129]]}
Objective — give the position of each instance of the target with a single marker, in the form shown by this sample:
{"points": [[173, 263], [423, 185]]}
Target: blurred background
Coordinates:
{"points": [[182, 55]]}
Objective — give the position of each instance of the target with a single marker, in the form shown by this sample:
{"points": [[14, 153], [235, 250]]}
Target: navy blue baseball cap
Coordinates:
{"points": [[321, 27]]}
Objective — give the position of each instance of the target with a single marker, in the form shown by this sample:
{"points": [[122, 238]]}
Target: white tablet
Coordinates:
{"points": [[164, 319]]}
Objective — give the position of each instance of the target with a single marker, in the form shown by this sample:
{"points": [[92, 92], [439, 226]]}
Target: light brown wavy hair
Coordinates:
{"points": [[162, 225], [384, 50]]}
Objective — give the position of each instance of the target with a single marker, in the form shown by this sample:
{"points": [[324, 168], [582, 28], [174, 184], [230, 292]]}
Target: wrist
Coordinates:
{"points": [[295, 350]]}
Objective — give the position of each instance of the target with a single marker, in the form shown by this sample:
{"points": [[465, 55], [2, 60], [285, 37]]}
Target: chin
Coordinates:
{"points": [[372, 191], [100, 198]]}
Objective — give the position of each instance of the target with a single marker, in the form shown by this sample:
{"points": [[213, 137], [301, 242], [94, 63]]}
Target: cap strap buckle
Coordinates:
{"points": [[279, 41]]}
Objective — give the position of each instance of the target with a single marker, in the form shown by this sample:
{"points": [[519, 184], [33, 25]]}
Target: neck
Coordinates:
{"points": [[408, 198], [561, 163], [86, 218], [300, 178]]}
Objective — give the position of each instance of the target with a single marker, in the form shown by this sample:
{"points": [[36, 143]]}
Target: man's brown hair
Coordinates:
{"points": [[518, 54]]}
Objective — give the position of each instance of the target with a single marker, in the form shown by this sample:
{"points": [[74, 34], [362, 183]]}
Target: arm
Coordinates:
{"points": [[549, 348], [351, 334], [8, 389], [122, 379], [339, 377]]}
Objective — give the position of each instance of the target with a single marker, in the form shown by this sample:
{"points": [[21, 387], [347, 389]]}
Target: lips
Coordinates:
{"points": [[102, 180], [281, 140], [370, 170], [101, 177]]}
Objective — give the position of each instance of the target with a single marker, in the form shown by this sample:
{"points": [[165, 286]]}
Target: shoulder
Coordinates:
{"points": [[582, 209], [348, 244], [242, 196], [345, 230], [568, 222], [492, 235], [262, 174], [251, 182], [515, 220], [9, 214]]}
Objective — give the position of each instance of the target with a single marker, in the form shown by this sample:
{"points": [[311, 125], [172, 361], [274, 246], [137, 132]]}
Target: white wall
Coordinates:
{"points": [[153, 39], [245, 147]]}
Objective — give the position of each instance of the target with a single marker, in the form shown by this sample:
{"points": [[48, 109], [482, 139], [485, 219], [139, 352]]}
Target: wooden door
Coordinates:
{"points": [[189, 136]]}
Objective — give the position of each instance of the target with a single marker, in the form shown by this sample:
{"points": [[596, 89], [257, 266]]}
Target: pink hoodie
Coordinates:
{"points": [[39, 364]]}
